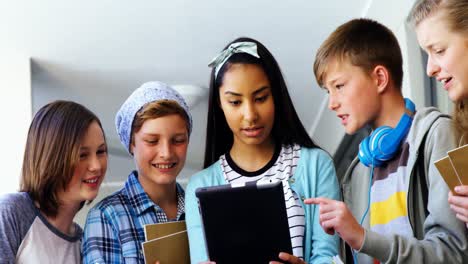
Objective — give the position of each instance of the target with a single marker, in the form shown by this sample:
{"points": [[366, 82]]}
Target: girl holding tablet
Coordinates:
{"points": [[254, 133]]}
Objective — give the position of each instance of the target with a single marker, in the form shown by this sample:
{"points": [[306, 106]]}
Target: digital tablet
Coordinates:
{"points": [[244, 224]]}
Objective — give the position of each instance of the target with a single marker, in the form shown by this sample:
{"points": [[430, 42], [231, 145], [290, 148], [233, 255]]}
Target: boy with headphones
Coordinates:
{"points": [[395, 206]]}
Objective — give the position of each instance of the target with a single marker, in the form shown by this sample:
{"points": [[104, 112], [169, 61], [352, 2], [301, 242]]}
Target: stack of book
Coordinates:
{"points": [[166, 243]]}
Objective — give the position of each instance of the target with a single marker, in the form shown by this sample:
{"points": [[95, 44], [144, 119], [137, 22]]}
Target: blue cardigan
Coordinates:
{"points": [[314, 176]]}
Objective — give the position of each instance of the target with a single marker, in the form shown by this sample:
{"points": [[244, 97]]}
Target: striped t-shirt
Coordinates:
{"points": [[281, 167], [388, 212]]}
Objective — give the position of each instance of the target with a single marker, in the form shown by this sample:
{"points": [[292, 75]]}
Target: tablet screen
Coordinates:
{"points": [[247, 224]]}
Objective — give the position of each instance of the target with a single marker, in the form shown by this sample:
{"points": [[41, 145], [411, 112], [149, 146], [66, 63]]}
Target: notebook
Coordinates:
{"points": [[454, 167], [166, 243]]}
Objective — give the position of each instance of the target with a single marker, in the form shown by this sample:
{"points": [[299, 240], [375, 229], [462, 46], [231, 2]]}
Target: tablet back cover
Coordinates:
{"points": [[245, 223]]}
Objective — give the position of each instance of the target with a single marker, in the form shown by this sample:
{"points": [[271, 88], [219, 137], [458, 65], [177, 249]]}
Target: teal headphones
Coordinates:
{"points": [[384, 142]]}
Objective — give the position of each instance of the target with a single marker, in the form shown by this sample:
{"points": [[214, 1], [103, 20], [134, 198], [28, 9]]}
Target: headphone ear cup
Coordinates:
{"points": [[384, 142], [369, 149], [388, 143], [376, 140], [364, 154]]}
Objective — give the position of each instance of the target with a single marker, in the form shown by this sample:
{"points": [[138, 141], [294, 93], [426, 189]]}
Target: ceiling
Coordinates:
{"points": [[98, 52]]}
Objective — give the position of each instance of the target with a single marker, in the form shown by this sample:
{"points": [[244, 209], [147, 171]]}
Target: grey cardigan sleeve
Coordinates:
{"points": [[445, 237], [9, 240], [16, 216]]}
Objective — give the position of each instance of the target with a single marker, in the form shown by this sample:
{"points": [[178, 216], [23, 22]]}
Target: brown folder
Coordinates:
{"points": [[448, 173], [170, 249], [166, 243], [459, 159], [153, 231]]}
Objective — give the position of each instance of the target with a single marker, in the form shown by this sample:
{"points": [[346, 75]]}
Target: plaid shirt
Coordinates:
{"points": [[114, 228]]}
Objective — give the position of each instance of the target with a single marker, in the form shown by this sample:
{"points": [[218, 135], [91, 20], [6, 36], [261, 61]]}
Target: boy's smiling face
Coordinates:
{"points": [[353, 94]]}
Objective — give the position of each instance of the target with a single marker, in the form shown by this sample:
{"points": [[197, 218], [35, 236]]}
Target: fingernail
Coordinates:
{"points": [[457, 188]]}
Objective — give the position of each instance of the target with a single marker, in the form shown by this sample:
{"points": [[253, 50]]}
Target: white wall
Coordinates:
{"points": [[15, 113], [327, 130]]}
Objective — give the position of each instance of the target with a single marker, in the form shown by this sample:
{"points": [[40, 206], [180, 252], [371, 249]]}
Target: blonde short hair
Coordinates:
{"points": [[364, 43]]}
